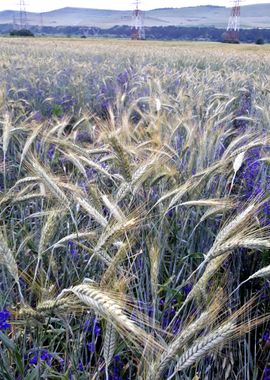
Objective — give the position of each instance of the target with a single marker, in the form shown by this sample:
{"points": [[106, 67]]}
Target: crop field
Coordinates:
{"points": [[134, 210]]}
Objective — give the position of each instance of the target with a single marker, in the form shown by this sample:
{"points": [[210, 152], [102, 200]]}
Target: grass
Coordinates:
{"points": [[134, 203]]}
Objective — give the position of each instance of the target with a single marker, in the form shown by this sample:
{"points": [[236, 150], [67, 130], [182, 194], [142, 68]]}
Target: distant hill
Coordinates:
{"points": [[253, 16]]}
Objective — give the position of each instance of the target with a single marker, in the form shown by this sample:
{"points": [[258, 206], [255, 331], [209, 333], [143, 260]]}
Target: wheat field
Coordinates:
{"points": [[134, 203]]}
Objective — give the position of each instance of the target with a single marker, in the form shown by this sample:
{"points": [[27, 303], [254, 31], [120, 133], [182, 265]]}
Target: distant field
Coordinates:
{"points": [[134, 210]]}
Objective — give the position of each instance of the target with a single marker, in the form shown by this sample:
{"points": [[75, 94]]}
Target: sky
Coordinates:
{"points": [[46, 5]]}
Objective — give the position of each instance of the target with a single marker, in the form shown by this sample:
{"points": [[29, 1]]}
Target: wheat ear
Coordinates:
{"points": [[264, 272], [48, 181], [29, 142], [7, 259], [122, 158], [109, 346], [92, 211], [177, 344], [199, 288], [174, 347], [112, 232], [46, 235], [7, 126], [202, 346], [102, 303]]}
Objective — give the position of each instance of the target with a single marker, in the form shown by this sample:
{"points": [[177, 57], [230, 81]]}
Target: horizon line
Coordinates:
{"points": [[128, 10]]}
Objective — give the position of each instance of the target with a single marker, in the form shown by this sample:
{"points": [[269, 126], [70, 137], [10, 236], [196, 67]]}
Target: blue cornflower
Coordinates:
{"points": [[38, 117], [46, 356], [72, 248], [91, 347], [118, 365], [87, 325], [90, 172], [266, 336], [42, 355], [122, 79], [161, 302], [38, 146], [80, 367], [150, 310], [61, 363], [170, 213], [97, 328], [51, 151], [117, 358], [177, 326], [266, 374], [187, 289], [34, 359], [4, 316], [83, 185]]}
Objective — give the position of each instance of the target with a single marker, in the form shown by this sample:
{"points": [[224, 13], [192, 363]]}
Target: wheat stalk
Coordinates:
{"points": [[74, 236]]}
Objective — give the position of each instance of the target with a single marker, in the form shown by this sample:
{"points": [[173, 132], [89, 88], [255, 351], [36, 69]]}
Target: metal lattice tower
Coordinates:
{"points": [[138, 32], [14, 21], [233, 30], [41, 22], [23, 15]]}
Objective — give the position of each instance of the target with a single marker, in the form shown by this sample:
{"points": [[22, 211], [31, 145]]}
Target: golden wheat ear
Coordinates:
{"points": [[48, 231], [232, 328], [109, 345], [111, 309], [49, 181], [7, 259], [174, 348]]}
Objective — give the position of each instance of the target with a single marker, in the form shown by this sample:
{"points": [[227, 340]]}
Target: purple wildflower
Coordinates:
{"points": [[4, 316], [170, 213], [97, 328], [46, 357], [42, 355], [176, 326], [91, 347], [72, 248], [80, 367], [88, 326], [122, 80], [187, 289], [266, 374], [266, 336], [51, 151], [34, 360]]}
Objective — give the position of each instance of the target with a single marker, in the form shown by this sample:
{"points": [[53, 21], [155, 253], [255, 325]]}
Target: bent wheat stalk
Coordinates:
{"points": [[158, 368], [111, 309]]}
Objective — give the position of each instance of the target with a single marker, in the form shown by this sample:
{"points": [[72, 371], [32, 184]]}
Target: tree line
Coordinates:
{"points": [[152, 33]]}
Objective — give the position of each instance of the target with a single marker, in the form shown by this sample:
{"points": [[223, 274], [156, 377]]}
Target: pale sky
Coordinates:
{"points": [[45, 5]]}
